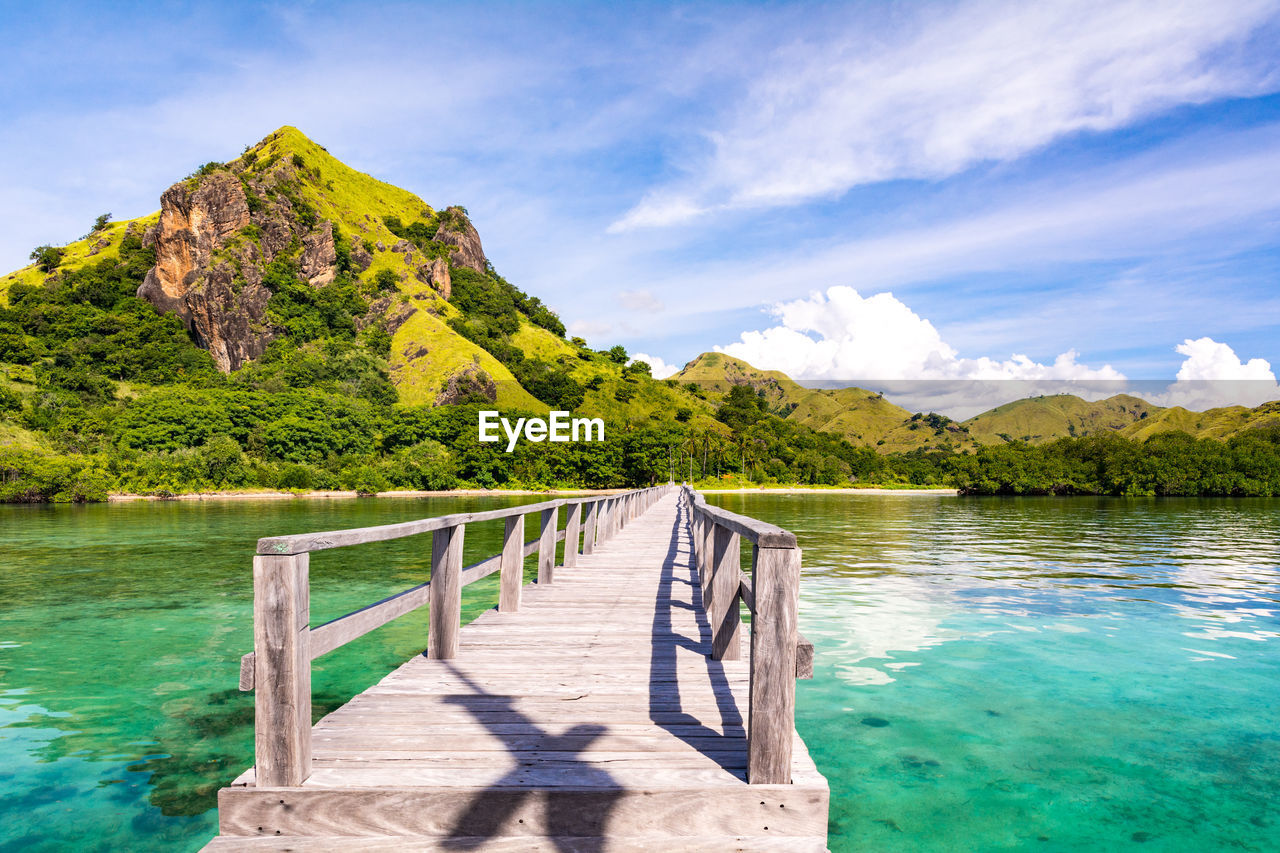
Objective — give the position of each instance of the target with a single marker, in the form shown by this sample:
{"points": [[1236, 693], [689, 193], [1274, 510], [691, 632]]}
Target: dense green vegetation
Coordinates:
{"points": [[1167, 464]]}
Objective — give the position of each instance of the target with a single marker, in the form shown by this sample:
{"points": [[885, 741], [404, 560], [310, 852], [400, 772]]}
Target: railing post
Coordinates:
{"points": [[707, 543], [571, 530], [771, 722], [446, 592], [725, 610], [589, 533], [512, 579], [547, 545], [282, 670]]}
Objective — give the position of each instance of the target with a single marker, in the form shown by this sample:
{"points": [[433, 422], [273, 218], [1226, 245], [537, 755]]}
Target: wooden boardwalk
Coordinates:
{"points": [[592, 718]]}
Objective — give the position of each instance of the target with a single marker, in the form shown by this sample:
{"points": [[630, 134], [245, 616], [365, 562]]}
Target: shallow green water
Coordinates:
{"points": [[1046, 674], [1052, 674]]}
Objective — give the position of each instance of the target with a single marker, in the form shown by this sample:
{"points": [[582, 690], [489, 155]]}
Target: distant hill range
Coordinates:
{"points": [[866, 418]]}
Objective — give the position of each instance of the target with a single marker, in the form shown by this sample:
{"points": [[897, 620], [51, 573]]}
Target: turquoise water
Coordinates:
{"points": [[1043, 674], [123, 626], [1046, 674]]}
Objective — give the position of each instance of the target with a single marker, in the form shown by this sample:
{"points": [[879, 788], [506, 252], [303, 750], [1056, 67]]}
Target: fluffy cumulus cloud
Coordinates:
{"points": [[938, 93], [843, 338], [1209, 360], [1213, 375], [659, 368], [842, 335]]}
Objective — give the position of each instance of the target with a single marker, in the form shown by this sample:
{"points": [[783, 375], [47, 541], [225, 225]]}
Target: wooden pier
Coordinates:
{"points": [[610, 706]]}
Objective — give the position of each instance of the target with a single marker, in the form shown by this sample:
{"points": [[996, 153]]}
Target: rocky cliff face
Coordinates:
{"points": [[457, 231], [195, 223], [209, 270]]}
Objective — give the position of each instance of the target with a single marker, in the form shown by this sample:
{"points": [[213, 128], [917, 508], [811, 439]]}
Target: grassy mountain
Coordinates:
{"points": [[1037, 420], [867, 419], [284, 321], [863, 418]]}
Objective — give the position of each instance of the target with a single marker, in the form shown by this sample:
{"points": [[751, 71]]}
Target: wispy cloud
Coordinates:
{"points": [[935, 94], [641, 300], [1186, 203]]}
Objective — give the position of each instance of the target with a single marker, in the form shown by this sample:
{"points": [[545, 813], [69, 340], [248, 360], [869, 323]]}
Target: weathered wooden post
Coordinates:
{"points": [[512, 578], [707, 544], [771, 721], [571, 535], [725, 611], [282, 670], [589, 534], [446, 592], [547, 545], [696, 520]]}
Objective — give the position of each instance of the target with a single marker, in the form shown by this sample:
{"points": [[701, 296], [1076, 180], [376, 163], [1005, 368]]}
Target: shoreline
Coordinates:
{"points": [[479, 493], [853, 490]]}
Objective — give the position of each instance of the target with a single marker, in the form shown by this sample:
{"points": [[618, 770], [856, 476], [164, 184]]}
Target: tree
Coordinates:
{"points": [[47, 258], [618, 354], [100, 222]]}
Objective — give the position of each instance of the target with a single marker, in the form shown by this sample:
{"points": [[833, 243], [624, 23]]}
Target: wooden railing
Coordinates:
{"points": [[779, 654], [284, 644]]}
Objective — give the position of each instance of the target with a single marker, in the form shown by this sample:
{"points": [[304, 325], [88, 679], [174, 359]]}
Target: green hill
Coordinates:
{"points": [[1037, 420], [863, 418]]}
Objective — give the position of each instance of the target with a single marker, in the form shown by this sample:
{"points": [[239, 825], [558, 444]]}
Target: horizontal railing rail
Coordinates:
{"points": [[779, 654], [278, 669]]}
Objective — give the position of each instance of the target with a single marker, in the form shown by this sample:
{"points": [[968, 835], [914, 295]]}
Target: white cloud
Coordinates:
{"points": [[659, 368], [989, 81], [844, 336], [1208, 359], [641, 300], [1213, 375]]}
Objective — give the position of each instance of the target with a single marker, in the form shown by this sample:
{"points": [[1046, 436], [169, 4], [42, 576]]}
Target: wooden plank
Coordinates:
{"points": [[520, 844], [744, 587], [723, 610], [305, 542], [552, 756], [571, 538], [804, 657], [681, 810], [773, 665], [282, 669], [758, 532], [589, 532], [512, 559], [446, 592], [246, 672], [344, 629], [547, 546]]}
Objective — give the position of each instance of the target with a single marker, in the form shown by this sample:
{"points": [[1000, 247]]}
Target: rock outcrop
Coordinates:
{"points": [[319, 256], [224, 316], [469, 385], [209, 268], [436, 274], [457, 231]]}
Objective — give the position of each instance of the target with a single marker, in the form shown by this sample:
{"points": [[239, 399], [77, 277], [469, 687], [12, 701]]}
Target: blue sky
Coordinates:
{"points": [[1094, 179]]}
